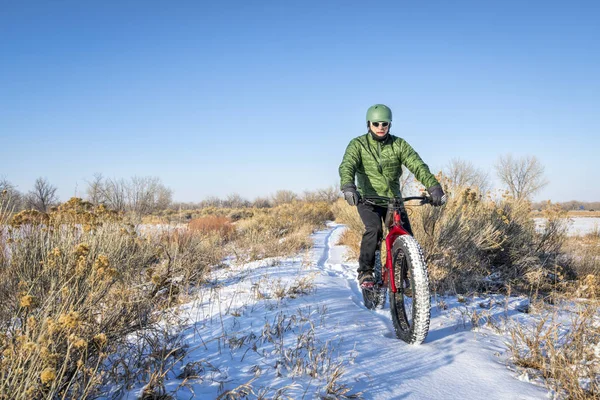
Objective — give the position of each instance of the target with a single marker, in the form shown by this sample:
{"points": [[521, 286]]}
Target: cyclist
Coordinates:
{"points": [[376, 160]]}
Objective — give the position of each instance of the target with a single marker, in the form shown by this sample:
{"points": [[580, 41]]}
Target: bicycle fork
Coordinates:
{"points": [[394, 231]]}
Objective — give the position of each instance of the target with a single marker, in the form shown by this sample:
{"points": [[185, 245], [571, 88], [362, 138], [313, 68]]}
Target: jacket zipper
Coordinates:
{"points": [[379, 158]]}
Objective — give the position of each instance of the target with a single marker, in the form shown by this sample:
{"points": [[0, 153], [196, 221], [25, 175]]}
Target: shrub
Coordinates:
{"points": [[70, 295], [75, 282], [473, 237], [213, 224], [568, 360], [280, 230]]}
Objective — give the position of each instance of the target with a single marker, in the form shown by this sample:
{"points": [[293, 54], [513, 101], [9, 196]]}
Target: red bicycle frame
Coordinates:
{"points": [[394, 231]]}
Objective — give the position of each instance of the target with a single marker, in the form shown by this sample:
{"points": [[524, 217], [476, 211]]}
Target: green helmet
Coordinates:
{"points": [[379, 113]]}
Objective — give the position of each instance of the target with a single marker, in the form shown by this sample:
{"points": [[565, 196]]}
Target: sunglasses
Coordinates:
{"points": [[383, 124]]}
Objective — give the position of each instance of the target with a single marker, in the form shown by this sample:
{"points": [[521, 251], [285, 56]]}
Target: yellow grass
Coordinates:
{"points": [[564, 359], [595, 214], [573, 213]]}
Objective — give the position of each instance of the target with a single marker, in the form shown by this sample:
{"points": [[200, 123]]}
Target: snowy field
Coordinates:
{"points": [[577, 226], [296, 328]]}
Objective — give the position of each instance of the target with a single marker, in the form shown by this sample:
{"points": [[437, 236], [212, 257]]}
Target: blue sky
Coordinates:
{"points": [[255, 96]]}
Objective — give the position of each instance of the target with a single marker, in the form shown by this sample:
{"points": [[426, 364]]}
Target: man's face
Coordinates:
{"points": [[379, 129]]}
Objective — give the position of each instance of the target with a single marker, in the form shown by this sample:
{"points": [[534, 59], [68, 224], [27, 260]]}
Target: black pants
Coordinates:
{"points": [[373, 217]]}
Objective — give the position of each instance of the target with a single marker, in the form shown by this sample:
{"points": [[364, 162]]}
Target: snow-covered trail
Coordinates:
{"points": [[454, 362], [283, 327]]}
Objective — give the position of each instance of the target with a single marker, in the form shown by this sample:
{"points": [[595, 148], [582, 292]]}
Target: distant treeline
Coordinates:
{"points": [[572, 205], [143, 196]]}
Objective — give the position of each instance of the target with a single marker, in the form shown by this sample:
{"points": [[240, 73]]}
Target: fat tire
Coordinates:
{"points": [[407, 253], [370, 298], [376, 296]]}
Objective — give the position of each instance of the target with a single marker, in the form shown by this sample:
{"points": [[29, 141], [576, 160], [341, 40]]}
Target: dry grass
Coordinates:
{"points": [[280, 231], [348, 216], [72, 289], [154, 220], [184, 216], [266, 288], [75, 282], [567, 359], [572, 213], [583, 254], [352, 239], [292, 344], [583, 214], [473, 237]]}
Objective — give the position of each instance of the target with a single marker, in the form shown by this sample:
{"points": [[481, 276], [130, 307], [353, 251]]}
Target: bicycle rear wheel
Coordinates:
{"points": [[375, 296], [410, 311]]}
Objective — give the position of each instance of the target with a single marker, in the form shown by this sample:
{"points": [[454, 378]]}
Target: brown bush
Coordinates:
{"points": [[213, 224], [74, 211]]}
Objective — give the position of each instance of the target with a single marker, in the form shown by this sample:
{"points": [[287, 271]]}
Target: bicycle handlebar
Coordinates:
{"points": [[391, 200], [424, 199]]}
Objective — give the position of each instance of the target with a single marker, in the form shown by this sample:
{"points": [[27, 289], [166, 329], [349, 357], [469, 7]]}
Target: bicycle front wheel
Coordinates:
{"points": [[410, 306]]}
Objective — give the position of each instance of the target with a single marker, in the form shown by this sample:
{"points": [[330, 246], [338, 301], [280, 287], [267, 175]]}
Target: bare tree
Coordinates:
{"points": [[234, 200], [43, 196], [163, 198], [184, 205], [211, 201], [95, 189], [146, 195], [10, 198], [522, 176], [261, 202], [141, 195], [407, 182], [114, 194], [283, 197], [329, 195], [464, 174]]}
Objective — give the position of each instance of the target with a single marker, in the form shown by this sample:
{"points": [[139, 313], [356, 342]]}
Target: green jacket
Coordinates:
{"points": [[378, 166]]}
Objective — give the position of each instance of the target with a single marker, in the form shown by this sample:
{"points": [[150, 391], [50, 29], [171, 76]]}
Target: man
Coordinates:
{"points": [[376, 160]]}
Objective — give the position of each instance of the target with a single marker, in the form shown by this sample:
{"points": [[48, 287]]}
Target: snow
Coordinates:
{"points": [[244, 331], [584, 225], [578, 226]]}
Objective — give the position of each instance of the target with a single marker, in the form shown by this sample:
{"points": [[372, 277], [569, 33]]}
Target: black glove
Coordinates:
{"points": [[438, 197], [351, 194]]}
